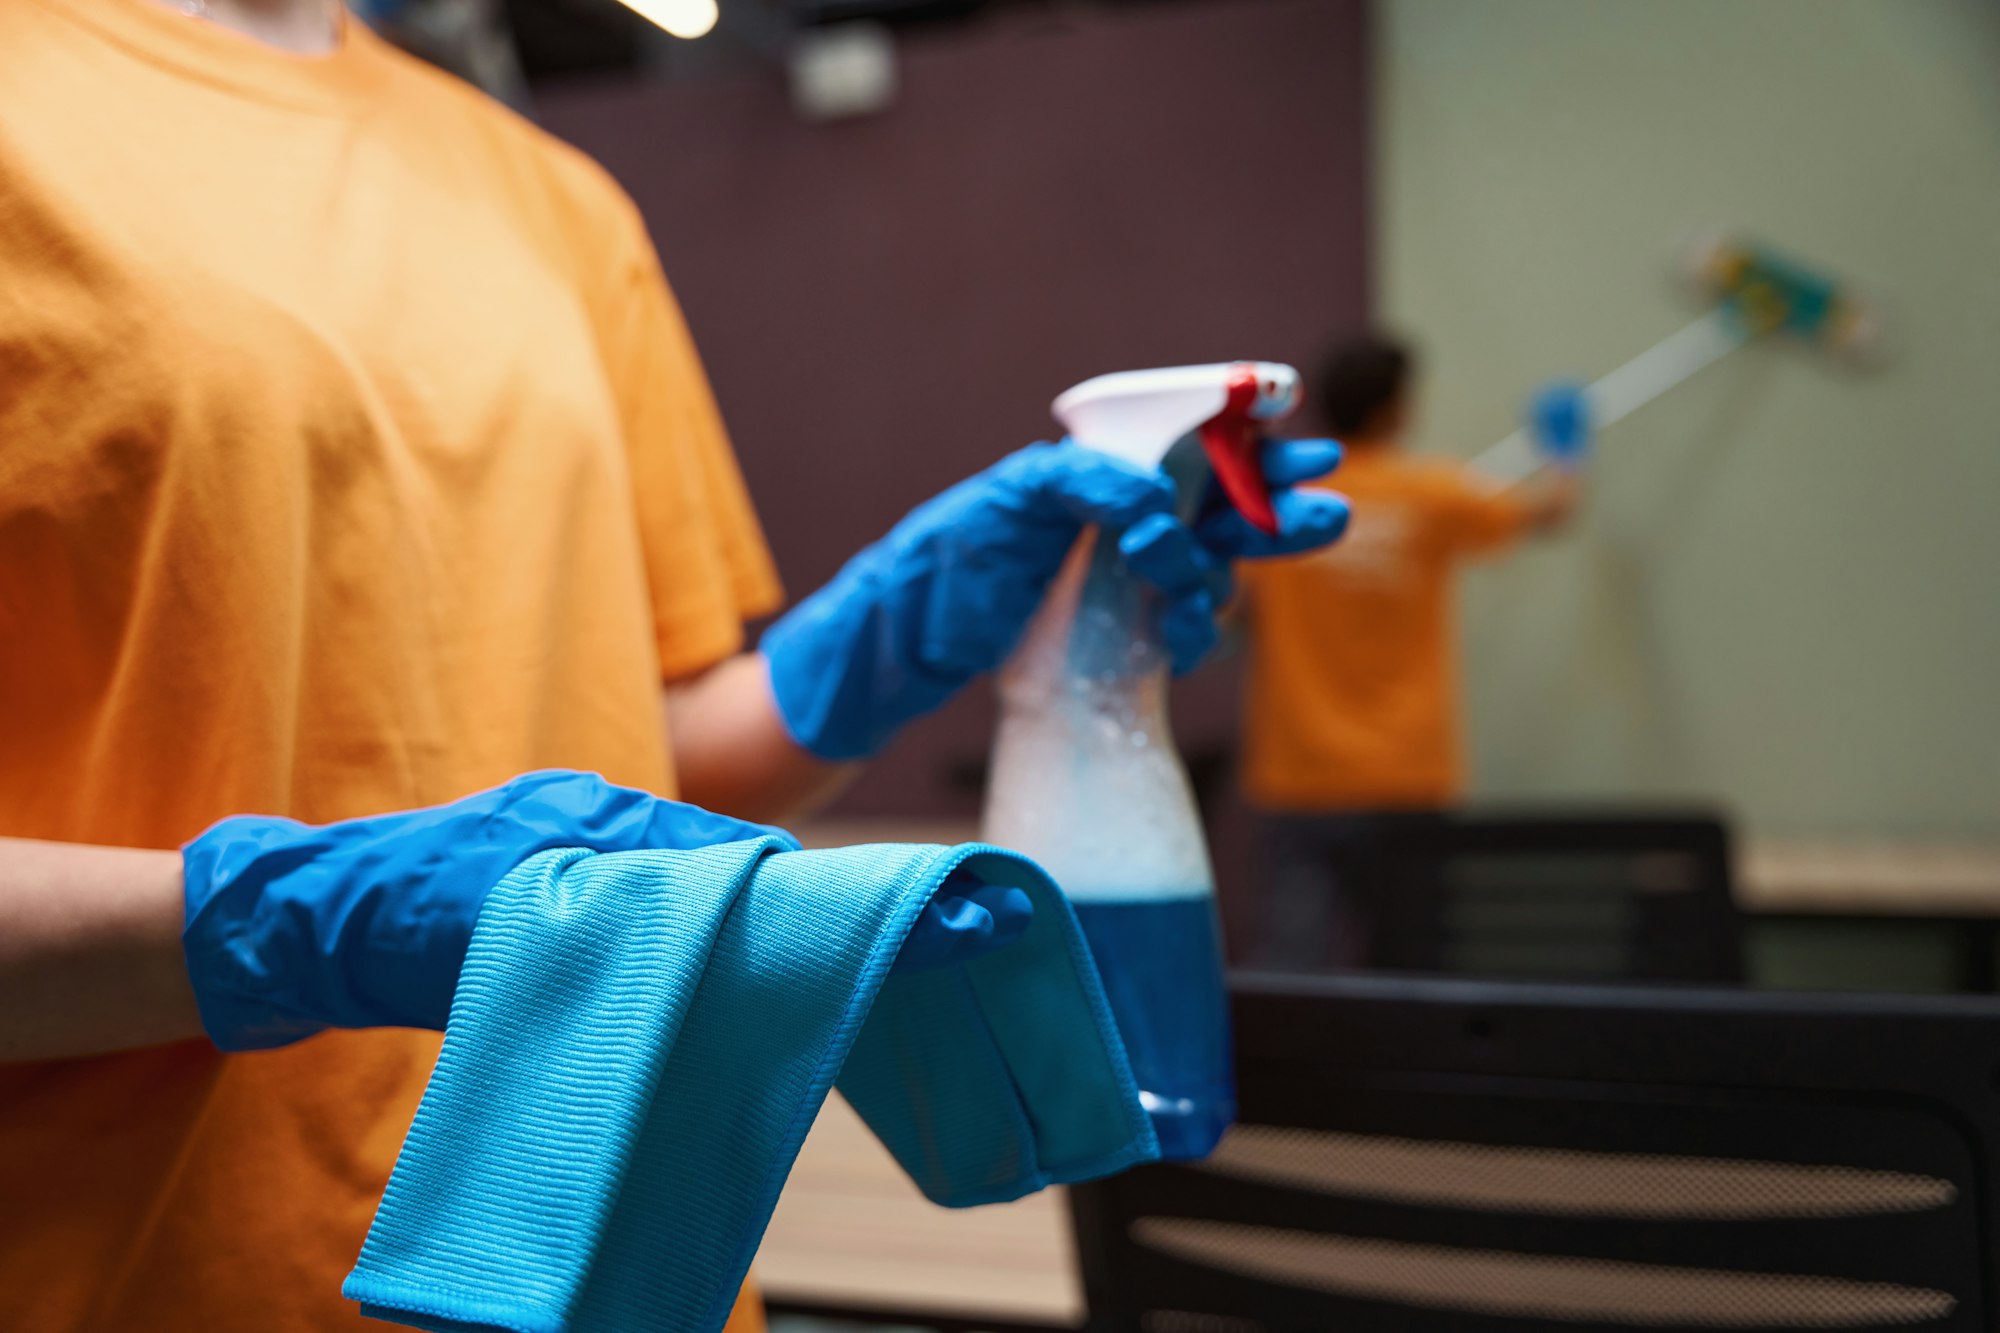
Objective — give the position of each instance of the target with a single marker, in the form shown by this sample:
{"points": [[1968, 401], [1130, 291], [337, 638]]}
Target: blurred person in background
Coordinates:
{"points": [[1352, 693], [354, 458]]}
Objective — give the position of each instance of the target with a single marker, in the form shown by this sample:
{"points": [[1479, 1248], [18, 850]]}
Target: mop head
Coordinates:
{"points": [[1770, 293]]}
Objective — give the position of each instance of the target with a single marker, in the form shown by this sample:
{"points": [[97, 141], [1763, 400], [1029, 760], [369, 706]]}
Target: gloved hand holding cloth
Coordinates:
{"points": [[644, 1006], [293, 928], [945, 596]]}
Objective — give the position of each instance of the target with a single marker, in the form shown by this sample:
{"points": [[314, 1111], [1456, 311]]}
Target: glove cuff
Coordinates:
{"points": [[842, 682], [244, 1004]]}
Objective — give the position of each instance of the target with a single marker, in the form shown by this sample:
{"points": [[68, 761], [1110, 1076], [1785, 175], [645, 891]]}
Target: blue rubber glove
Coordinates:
{"points": [[294, 928], [967, 918], [1559, 420], [946, 595]]}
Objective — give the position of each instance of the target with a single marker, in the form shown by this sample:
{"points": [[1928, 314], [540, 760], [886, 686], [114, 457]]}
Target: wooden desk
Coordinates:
{"points": [[1862, 877], [852, 1235], [1950, 892]]}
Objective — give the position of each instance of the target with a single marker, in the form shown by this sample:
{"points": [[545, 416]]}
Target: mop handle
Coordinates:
{"points": [[1623, 391]]}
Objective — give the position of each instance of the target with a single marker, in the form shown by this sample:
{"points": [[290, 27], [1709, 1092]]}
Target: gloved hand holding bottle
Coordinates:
{"points": [[946, 595]]}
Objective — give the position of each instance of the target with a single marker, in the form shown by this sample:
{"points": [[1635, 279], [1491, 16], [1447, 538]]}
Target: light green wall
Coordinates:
{"points": [[1787, 590]]}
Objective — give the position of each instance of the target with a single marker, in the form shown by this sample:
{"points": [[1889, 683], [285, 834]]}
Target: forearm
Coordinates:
{"points": [[90, 950], [732, 752], [1550, 498]]}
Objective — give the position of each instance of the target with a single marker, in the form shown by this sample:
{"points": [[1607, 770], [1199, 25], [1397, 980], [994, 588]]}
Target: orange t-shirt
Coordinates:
{"points": [[353, 456], [1352, 691]]}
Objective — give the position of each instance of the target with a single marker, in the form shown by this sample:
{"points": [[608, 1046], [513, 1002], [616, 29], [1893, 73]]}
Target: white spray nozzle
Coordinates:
{"points": [[1137, 415]]}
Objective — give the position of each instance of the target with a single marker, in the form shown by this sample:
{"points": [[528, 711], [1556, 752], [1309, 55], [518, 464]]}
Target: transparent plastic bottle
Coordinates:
{"points": [[1086, 777], [1087, 781]]}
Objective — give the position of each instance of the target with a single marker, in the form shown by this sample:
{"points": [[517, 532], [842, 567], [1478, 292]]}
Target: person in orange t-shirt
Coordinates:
{"points": [[1351, 698], [355, 457]]}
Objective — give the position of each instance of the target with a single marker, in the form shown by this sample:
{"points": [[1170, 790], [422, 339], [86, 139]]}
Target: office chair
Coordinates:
{"points": [[1575, 897], [1419, 1155]]}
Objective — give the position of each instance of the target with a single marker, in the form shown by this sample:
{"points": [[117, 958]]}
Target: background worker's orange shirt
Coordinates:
{"points": [[1352, 690], [353, 456]]}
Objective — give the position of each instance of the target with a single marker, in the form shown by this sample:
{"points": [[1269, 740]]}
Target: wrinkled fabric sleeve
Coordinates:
{"points": [[707, 564]]}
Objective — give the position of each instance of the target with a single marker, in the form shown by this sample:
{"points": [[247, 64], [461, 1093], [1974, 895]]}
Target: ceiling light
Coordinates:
{"points": [[687, 19]]}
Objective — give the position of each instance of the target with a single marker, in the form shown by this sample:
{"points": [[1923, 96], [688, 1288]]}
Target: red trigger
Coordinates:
{"points": [[1234, 449]]}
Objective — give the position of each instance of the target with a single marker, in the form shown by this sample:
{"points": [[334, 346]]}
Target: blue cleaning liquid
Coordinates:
{"points": [[1161, 963]]}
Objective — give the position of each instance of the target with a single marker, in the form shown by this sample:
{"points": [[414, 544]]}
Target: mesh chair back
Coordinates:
{"points": [[1421, 1155], [1571, 898]]}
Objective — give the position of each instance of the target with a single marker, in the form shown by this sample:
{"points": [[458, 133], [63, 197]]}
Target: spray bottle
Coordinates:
{"points": [[1086, 778]]}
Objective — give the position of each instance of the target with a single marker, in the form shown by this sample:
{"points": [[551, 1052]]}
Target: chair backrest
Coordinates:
{"points": [[1572, 897], [1426, 1154]]}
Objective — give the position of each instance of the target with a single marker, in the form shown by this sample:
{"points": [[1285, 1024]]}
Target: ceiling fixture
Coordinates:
{"points": [[686, 19]]}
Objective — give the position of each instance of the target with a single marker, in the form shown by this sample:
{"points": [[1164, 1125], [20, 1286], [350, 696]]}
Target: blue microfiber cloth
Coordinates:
{"points": [[639, 1042]]}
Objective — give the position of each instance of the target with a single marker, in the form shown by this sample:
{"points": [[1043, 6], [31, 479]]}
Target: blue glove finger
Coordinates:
{"points": [[1160, 550], [1090, 487], [1289, 462], [1188, 628], [1307, 520], [967, 919], [1166, 555]]}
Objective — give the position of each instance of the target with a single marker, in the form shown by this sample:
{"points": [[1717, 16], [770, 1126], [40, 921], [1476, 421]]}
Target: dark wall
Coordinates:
{"points": [[888, 304]]}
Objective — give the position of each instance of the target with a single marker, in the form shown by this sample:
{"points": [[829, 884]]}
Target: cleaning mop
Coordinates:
{"points": [[1759, 294]]}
